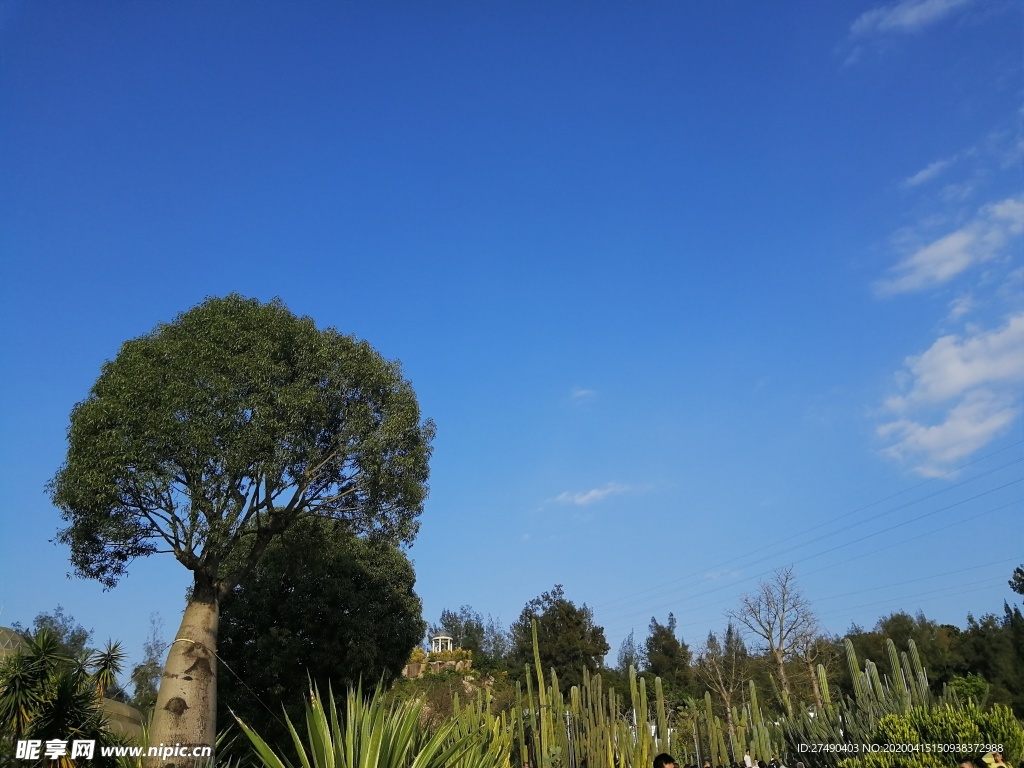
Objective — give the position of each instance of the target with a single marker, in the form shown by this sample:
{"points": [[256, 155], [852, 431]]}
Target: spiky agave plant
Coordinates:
{"points": [[375, 733]]}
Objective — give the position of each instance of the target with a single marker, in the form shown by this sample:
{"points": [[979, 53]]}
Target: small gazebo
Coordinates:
{"points": [[10, 642], [439, 643]]}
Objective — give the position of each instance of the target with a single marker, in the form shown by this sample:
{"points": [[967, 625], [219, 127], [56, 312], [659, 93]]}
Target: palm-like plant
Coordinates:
{"points": [[46, 695], [25, 679], [104, 667]]}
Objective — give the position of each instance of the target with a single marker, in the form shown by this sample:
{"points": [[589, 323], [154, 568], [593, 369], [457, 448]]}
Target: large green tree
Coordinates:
{"points": [[324, 605], [668, 657], [212, 435], [567, 637]]}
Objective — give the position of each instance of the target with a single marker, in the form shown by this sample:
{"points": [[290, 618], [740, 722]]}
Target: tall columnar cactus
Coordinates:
{"points": [[664, 736], [826, 696], [720, 750], [878, 691], [755, 710], [859, 681], [899, 683], [920, 673], [741, 743], [714, 730], [587, 726]]}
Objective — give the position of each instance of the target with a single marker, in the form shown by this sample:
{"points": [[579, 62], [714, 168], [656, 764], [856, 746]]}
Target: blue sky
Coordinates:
{"points": [[693, 291]]}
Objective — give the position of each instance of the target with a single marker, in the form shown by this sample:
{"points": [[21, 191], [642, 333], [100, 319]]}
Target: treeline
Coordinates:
{"points": [[772, 637]]}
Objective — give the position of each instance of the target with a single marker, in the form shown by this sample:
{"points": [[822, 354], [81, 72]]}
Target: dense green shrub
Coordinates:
{"points": [[947, 724]]}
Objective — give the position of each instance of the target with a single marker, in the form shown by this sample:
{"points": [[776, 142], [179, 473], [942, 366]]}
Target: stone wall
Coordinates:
{"points": [[413, 671]]}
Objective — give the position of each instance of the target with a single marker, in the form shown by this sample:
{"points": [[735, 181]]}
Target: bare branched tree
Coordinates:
{"points": [[780, 618]]}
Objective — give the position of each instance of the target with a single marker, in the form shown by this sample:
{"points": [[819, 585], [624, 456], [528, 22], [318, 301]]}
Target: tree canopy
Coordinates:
{"points": [[323, 605], [630, 655], [668, 657], [1017, 580], [567, 638], [72, 638], [216, 431]]}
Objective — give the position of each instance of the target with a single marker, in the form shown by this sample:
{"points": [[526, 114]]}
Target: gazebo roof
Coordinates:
{"points": [[10, 641]]}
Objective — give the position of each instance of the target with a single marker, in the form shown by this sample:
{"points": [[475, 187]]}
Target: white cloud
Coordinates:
{"points": [[577, 394], [969, 425], [952, 366], [957, 396], [941, 260], [583, 498], [927, 173], [904, 17]]}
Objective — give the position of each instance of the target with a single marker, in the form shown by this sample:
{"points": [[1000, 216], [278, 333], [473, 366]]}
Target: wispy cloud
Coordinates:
{"points": [[960, 306], [928, 173], [581, 394], [957, 396], [585, 498], [722, 573], [904, 17], [939, 261]]}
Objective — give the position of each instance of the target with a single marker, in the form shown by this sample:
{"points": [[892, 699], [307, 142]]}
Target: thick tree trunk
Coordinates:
{"points": [[186, 705]]}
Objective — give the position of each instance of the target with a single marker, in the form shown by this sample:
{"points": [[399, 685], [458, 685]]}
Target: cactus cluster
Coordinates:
{"points": [[596, 727]]}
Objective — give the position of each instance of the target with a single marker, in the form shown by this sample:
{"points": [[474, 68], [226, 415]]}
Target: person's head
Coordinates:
{"points": [[665, 760]]}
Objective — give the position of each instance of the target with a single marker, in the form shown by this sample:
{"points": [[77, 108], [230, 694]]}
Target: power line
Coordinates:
{"points": [[837, 547], [790, 537], [891, 585]]}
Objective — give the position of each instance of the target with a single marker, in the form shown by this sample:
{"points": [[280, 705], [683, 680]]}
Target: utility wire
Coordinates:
{"points": [[790, 537], [891, 585], [618, 614]]}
